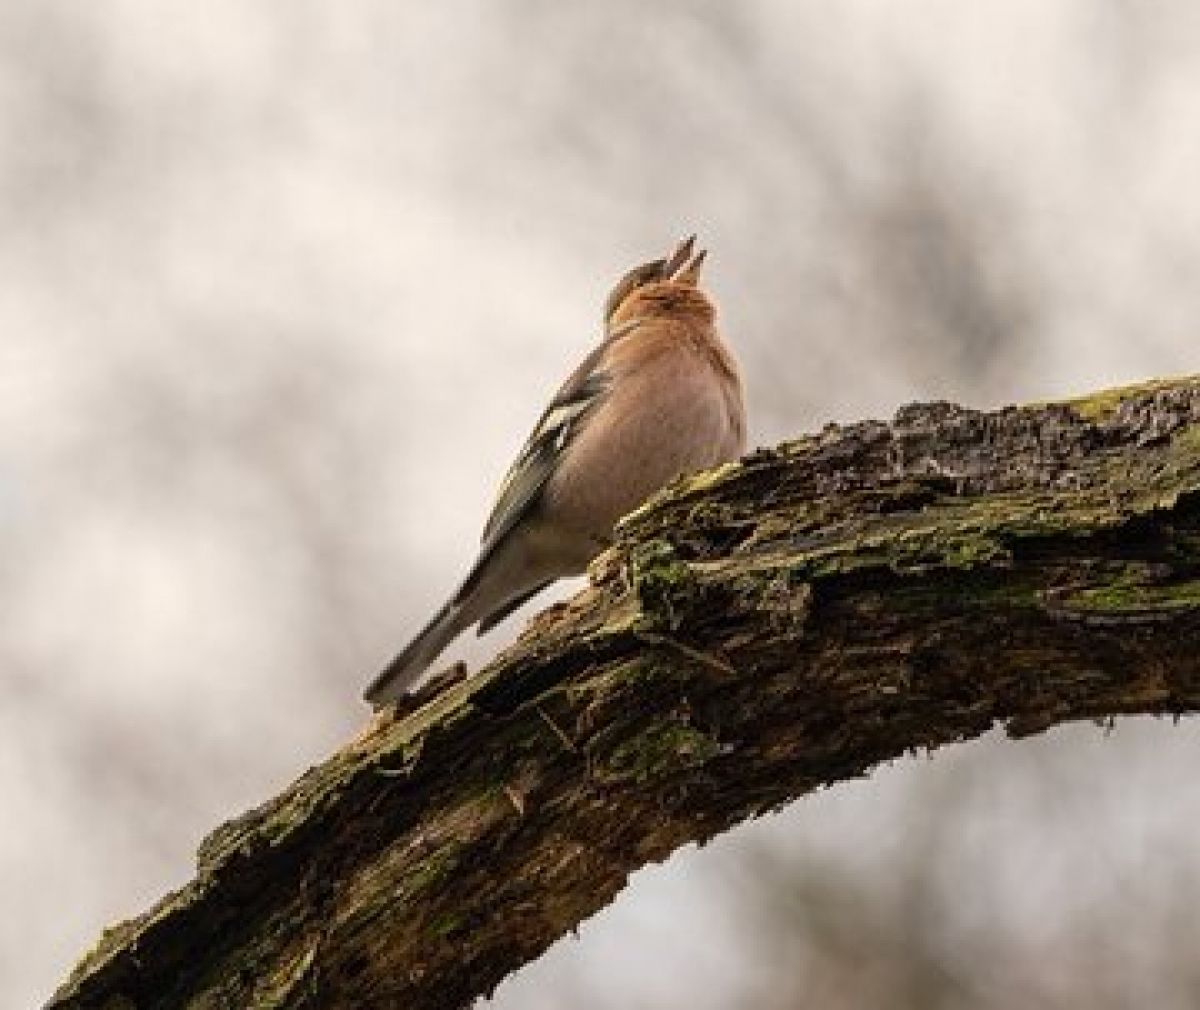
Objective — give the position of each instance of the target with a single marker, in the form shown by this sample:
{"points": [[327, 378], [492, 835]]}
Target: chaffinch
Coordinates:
{"points": [[660, 396]]}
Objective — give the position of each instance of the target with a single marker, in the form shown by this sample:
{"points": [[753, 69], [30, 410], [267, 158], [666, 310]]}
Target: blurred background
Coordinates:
{"points": [[284, 287]]}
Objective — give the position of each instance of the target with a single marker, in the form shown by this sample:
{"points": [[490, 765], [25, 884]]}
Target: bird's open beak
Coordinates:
{"points": [[690, 274], [678, 258]]}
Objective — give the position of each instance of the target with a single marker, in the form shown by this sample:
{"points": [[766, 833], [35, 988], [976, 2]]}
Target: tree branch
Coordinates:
{"points": [[755, 633]]}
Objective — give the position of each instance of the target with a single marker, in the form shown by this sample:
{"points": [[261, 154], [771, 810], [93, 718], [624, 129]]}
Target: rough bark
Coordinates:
{"points": [[755, 633]]}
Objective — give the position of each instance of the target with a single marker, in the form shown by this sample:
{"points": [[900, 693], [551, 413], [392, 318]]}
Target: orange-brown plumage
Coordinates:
{"points": [[661, 396]]}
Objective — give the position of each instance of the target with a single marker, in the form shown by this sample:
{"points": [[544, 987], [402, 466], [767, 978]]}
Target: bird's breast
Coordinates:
{"points": [[673, 416]]}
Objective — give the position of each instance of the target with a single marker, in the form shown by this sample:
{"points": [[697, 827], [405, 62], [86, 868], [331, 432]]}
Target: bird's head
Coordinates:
{"points": [[668, 286]]}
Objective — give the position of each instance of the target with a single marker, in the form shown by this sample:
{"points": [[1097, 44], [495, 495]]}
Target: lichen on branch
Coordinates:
{"points": [[754, 633]]}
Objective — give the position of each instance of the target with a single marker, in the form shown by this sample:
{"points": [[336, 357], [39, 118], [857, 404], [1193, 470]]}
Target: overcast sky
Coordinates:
{"points": [[285, 286]]}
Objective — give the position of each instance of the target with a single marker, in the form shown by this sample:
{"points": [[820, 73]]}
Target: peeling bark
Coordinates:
{"points": [[754, 633]]}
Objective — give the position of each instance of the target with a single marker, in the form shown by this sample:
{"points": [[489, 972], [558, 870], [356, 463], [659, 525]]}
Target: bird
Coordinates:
{"points": [[659, 397]]}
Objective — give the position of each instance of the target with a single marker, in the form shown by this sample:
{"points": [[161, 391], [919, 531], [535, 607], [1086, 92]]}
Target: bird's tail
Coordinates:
{"points": [[403, 671]]}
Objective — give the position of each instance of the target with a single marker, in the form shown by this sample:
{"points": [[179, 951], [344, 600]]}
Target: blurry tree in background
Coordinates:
{"points": [[284, 288]]}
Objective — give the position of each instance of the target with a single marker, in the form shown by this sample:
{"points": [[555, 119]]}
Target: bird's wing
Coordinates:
{"points": [[538, 458], [496, 616]]}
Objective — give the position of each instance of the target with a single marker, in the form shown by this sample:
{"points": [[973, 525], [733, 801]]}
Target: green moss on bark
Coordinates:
{"points": [[754, 633]]}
